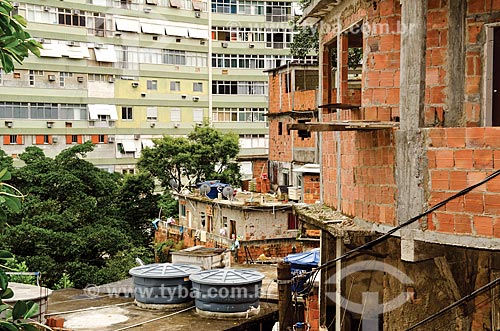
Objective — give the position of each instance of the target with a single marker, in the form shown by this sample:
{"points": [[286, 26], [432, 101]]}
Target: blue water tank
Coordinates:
{"points": [[163, 283], [302, 263], [227, 290]]}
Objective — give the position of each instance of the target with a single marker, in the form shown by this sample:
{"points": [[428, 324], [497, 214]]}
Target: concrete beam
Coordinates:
{"points": [[410, 155]]}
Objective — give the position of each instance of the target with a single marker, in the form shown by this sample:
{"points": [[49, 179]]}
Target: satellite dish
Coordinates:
{"points": [[228, 192], [173, 183], [204, 189]]}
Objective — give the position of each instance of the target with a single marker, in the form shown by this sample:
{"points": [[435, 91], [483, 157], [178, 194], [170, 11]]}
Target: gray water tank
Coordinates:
{"points": [[163, 283], [227, 291]]}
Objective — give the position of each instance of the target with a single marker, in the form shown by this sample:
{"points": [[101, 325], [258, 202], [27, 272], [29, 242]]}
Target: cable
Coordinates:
{"points": [[456, 303], [402, 225]]}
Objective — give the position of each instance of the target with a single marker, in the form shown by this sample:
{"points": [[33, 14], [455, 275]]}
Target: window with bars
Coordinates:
{"points": [[238, 114]]}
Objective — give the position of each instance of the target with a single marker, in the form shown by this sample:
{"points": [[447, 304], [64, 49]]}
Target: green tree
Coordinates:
{"points": [[205, 154], [75, 217], [15, 42], [305, 41]]}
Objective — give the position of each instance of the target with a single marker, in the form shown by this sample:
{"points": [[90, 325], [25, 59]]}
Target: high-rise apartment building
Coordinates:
{"points": [[120, 73]]}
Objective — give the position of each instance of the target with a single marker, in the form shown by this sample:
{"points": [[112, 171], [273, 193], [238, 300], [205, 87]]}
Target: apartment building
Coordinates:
{"points": [[120, 73], [420, 127]]}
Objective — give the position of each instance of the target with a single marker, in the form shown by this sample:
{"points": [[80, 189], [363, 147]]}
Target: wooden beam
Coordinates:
{"points": [[342, 126]]}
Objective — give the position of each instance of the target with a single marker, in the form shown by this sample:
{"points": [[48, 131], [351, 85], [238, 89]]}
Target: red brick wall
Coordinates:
{"points": [[259, 167], [311, 185], [280, 146], [460, 157], [367, 174], [311, 311], [436, 62]]}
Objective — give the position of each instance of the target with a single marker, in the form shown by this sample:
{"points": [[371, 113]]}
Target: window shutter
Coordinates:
{"points": [[50, 140], [79, 139], [39, 140], [105, 139], [6, 140], [19, 140], [69, 139], [95, 139]]}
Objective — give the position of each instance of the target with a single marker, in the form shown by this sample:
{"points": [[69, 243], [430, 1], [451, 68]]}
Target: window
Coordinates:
{"points": [[71, 17], [175, 115], [183, 210], [151, 113], [33, 74], [171, 56], [63, 76], [197, 87], [96, 78], [278, 11], [175, 86], [220, 114], [293, 223], [102, 138], [127, 113], [73, 139], [197, 115], [12, 140], [152, 85], [280, 128], [43, 140], [224, 6]]}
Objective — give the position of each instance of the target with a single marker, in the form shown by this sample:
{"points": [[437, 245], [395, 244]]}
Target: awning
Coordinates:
{"points": [[103, 110], [311, 168], [176, 31], [148, 143], [197, 5], [128, 145], [175, 3], [127, 25], [52, 50], [76, 52], [152, 28], [198, 34], [107, 54]]}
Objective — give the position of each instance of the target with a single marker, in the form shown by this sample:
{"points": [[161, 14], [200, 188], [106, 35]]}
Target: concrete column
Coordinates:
{"points": [[411, 161]]}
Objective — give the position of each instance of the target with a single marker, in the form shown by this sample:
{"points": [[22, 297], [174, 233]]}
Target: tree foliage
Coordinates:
{"points": [[15, 42], [205, 154], [305, 41], [77, 219]]}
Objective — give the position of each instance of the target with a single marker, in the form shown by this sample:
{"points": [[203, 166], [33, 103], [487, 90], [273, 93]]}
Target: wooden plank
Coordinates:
{"points": [[444, 269]]}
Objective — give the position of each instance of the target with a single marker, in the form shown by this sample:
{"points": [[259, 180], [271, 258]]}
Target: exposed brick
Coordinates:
{"points": [[445, 222], [474, 203], [483, 225], [458, 180], [462, 223], [455, 137], [475, 137], [463, 159], [492, 137], [444, 158], [483, 159], [437, 137], [440, 179], [492, 204]]}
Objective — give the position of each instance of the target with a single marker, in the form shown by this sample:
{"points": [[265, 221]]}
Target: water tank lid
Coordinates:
{"points": [[227, 276], [164, 270]]}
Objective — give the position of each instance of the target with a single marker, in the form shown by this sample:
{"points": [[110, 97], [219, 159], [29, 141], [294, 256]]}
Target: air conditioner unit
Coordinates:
{"points": [[54, 140], [98, 46], [135, 84], [137, 136], [143, 94], [9, 124], [199, 124], [16, 4], [52, 78], [152, 124], [197, 14], [251, 45], [111, 139], [76, 12], [46, 8], [183, 96], [111, 79], [147, 9], [176, 125], [224, 44], [79, 79], [196, 99], [73, 43], [202, 42]]}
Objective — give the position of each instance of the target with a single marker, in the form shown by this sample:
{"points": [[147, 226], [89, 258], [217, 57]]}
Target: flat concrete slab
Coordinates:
{"points": [[108, 310]]}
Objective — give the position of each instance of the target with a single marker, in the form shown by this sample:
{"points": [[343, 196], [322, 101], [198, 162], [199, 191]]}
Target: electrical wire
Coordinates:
{"points": [[388, 234], [456, 303]]}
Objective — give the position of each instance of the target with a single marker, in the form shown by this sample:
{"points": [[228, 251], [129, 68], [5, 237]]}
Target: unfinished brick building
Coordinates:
{"points": [[423, 125], [293, 89]]}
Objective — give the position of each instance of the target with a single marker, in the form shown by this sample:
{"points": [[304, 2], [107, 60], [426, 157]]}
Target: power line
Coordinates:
{"points": [[393, 230], [456, 303]]}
